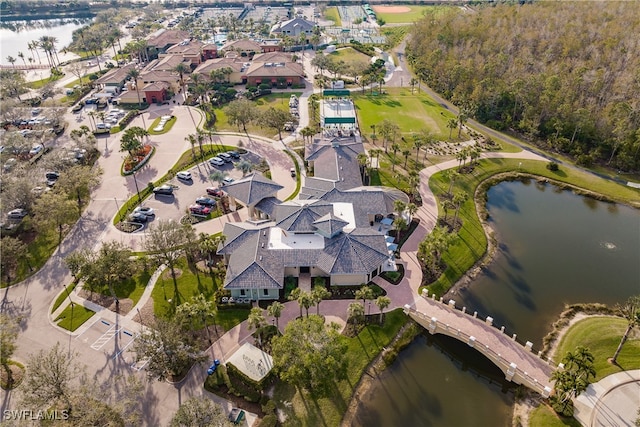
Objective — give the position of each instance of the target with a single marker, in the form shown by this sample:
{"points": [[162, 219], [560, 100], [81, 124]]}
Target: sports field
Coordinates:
{"points": [[412, 113], [402, 14]]}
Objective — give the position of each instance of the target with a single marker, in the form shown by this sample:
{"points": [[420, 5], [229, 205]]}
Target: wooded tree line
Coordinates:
{"points": [[566, 74]]}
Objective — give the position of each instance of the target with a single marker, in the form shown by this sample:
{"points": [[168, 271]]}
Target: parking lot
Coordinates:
{"points": [[105, 336], [186, 192]]}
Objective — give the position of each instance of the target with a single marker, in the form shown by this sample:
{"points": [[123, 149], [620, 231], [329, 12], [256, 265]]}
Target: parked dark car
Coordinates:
{"points": [[234, 154], [167, 190], [138, 217], [236, 415], [52, 178], [215, 192], [206, 201]]}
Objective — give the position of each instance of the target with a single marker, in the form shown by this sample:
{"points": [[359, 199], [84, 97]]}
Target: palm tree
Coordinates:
{"points": [[218, 176], [245, 166], [452, 176], [364, 293], [413, 82], [630, 310], [191, 139], [462, 119], [417, 143], [33, 47], [92, 118], [275, 310], [452, 124], [305, 300], [382, 302], [458, 200], [412, 208], [21, 56], [318, 293], [406, 154], [11, 60], [182, 69], [256, 321], [133, 74], [294, 295], [208, 244]]}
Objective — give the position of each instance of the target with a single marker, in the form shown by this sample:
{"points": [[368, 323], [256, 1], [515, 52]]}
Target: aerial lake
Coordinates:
{"points": [[555, 248]]}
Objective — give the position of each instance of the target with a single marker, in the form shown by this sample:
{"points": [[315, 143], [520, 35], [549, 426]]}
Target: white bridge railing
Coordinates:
{"points": [[509, 367]]}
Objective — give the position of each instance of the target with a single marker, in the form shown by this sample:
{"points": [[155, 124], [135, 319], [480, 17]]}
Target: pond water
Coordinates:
{"points": [[555, 248], [16, 39]]}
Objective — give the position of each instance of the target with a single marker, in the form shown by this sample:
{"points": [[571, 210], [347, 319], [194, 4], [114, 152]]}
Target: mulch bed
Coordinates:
{"points": [[108, 302]]}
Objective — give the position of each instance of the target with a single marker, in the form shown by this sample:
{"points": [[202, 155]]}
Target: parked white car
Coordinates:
{"points": [[184, 175]]}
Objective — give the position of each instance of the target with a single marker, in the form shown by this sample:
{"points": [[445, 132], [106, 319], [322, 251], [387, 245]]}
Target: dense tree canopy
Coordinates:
{"points": [[566, 73], [310, 355]]}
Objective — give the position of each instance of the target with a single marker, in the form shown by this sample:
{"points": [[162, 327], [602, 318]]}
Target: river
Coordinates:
{"points": [[16, 38], [555, 248]]}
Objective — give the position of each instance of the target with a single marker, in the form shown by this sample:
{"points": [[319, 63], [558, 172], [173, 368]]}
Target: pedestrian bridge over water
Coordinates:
{"points": [[517, 361]]}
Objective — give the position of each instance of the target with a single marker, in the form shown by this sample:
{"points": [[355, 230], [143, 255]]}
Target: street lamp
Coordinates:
{"points": [[137, 189]]}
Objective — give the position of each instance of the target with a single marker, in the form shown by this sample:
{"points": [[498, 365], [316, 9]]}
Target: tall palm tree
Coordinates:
{"points": [[33, 47], [182, 69], [382, 302], [275, 310], [417, 143], [133, 73], [630, 310], [11, 60], [406, 154], [21, 56]]}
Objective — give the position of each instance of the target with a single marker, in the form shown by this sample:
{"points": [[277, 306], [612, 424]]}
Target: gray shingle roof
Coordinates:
{"points": [[359, 251], [329, 224], [268, 205], [300, 216], [252, 189]]}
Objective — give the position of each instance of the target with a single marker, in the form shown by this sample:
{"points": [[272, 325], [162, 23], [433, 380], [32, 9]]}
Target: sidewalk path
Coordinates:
{"points": [[612, 401]]}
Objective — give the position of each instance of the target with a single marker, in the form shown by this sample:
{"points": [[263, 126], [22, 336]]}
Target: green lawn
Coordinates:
{"points": [[412, 113], [472, 241], [38, 84], [601, 335], [277, 100], [349, 55], [413, 15], [131, 288], [63, 296], [80, 315], [308, 411], [190, 284], [332, 14], [544, 416]]}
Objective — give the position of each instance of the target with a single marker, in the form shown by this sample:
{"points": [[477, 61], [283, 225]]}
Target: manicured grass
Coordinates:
{"points": [[277, 100], [80, 315], [230, 317], [63, 296], [306, 410], [601, 335], [38, 84], [472, 242], [544, 416], [131, 288], [413, 15], [332, 14], [167, 126], [189, 284], [412, 113], [349, 55]]}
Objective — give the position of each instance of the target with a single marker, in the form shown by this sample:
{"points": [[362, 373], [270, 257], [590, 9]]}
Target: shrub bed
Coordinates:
{"points": [[141, 157]]}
